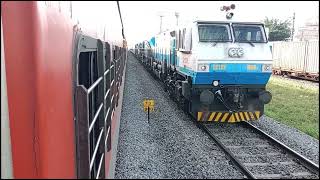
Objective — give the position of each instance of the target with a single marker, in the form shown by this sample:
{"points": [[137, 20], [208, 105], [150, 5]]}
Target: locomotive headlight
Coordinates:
{"points": [[203, 67], [215, 83], [267, 68]]}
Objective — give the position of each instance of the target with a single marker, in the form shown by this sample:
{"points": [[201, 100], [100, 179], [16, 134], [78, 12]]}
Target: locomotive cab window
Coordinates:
{"points": [[214, 32], [252, 33]]}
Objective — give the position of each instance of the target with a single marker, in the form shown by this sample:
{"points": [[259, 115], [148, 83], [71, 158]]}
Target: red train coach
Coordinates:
{"points": [[62, 69]]}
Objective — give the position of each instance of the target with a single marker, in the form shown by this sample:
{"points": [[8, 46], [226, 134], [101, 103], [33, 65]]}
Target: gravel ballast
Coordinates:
{"points": [[171, 146]]}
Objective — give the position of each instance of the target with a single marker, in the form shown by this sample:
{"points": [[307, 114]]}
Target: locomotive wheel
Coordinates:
{"points": [[185, 105]]}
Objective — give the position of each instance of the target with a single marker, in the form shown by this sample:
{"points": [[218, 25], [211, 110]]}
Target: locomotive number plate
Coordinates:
{"points": [[251, 67], [219, 67]]}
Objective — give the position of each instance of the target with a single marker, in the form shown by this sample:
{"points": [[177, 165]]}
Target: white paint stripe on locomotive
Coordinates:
{"points": [[6, 153]]}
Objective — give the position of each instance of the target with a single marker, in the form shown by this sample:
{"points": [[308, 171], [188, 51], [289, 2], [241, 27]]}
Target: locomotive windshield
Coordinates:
{"points": [[216, 32], [249, 33]]}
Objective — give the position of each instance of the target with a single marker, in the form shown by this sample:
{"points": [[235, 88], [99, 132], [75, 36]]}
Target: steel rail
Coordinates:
{"points": [[305, 161], [235, 160]]}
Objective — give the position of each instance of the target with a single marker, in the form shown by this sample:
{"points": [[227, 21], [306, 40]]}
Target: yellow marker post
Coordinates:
{"points": [[148, 105]]}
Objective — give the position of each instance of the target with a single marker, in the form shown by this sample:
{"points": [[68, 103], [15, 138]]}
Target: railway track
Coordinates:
{"points": [[258, 155], [266, 157]]}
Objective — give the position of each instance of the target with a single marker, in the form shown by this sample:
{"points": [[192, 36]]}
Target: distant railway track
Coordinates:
{"points": [[258, 155], [297, 75]]}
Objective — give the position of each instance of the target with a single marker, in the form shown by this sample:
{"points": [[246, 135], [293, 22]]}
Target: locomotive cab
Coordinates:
{"points": [[228, 65]]}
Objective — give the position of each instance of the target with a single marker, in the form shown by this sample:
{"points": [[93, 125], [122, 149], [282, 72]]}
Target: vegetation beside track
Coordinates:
{"points": [[294, 104]]}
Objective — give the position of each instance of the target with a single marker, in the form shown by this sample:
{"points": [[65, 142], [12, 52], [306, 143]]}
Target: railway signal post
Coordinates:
{"points": [[148, 105]]}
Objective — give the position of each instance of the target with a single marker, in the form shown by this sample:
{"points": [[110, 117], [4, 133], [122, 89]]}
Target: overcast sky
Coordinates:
{"points": [[141, 18]]}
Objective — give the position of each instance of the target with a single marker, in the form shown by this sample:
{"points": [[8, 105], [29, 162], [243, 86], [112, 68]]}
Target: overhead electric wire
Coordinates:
{"points": [[121, 20]]}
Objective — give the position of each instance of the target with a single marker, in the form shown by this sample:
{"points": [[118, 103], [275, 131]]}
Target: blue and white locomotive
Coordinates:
{"points": [[215, 70]]}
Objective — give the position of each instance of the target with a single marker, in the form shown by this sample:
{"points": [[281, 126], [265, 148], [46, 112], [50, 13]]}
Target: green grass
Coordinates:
{"points": [[294, 105]]}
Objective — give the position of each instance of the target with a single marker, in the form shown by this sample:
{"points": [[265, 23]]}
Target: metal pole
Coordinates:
{"points": [[148, 114], [294, 16], [177, 18], [161, 23], [71, 9]]}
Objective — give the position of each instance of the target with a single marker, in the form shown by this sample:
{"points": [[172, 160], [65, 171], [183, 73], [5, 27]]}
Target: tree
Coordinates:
{"points": [[278, 30]]}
